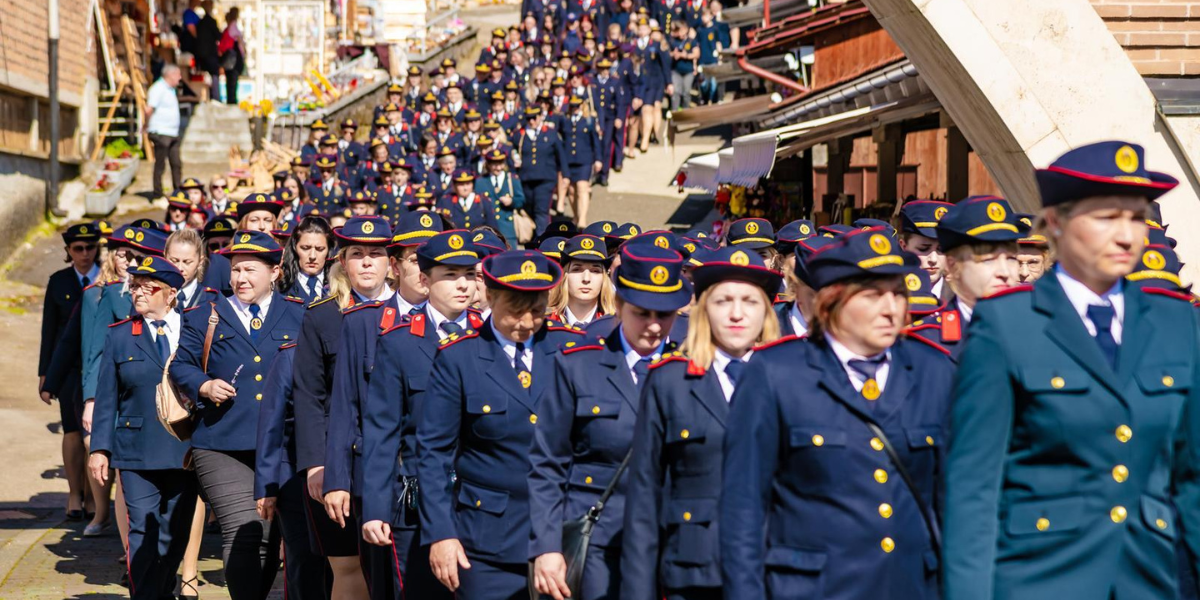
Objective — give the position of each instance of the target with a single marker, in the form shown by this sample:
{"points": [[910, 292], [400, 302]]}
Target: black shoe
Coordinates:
{"points": [[617, 169], [125, 578], [603, 181], [188, 590], [75, 515]]}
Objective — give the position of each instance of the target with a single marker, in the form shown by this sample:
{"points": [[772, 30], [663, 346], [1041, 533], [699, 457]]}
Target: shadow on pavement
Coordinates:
{"points": [[691, 211]]}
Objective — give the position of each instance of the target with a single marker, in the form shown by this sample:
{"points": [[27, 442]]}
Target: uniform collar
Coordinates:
{"points": [[1081, 297], [436, 319], [91, 274], [631, 356], [845, 355]]}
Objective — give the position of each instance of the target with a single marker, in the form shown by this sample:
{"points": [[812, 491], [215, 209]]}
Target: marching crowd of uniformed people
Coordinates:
{"points": [[410, 375]]}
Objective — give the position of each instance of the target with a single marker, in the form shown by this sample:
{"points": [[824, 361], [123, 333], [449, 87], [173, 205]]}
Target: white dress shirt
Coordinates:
{"points": [[189, 292], [632, 357], [510, 350], [306, 283], [1081, 298], [937, 288], [405, 306], [966, 312], [845, 355], [243, 310], [799, 323], [436, 319], [171, 329], [720, 361], [570, 318]]}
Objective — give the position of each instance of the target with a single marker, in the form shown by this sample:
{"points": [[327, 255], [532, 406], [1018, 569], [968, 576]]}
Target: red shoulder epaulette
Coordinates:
{"points": [[417, 324], [555, 326], [668, 359], [582, 348], [1168, 293], [92, 285], [457, 337], [1012, 290], [288, 346], [121, 322], [387, 319], [786, 338], [930, 343], [474, 318], [294, 299], [395, 327], [211, 290], [350, 309]]}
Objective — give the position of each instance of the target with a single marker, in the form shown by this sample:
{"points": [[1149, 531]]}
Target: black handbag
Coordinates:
{"points": [[577, 535]]}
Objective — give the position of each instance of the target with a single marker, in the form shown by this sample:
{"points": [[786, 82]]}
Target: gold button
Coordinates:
{"points": [[587, 479], [818, 440], [127, 423], [684, 434], [595, 410], [130, 358], [533, 419], [885, 510], [1161, 524], [487, 408], [285, 336], [258, 396], [1118, 514], [1057, 383], [929, 440], [687, 516], [1124, 433], [880, 475], [1168, 380], [888, 544], [1120, 473], [478, 503], [258, 377], [257, 359], [877, 444], [1043, 524]]}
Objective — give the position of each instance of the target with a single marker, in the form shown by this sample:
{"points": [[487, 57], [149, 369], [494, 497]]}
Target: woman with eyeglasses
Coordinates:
{"points": [[671, 525], [63, 293], [219, 204], [1072, 471], [160, 495]]}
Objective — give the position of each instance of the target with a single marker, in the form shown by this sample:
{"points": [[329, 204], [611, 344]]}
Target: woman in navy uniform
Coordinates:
{"points": [[581, 144], [674, 473], [587, 422], [475, 428], [259, 212], [364, 263], [465, 208], [63, 293], [1075, 409], [227, 387], [978, 241], [399, 382], [306, 259], [919, 235], [361, 325], [185, 250], [160, 495], [542, 160], [824, 467], [586, 291]]}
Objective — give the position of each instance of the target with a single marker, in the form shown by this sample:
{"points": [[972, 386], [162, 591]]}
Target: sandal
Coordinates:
{"points": [[192, 583]]}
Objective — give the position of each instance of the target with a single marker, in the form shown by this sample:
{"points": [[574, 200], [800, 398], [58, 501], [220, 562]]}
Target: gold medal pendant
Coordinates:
{"points": [[526, 379], [870, 389], [256, 323]]}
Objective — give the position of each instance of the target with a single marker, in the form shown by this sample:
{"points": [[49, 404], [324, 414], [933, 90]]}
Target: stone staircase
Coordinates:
{"points": [[212, 130]]}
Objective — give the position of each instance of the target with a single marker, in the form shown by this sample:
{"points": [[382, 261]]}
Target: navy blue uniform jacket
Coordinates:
{"points": [[674, 482], [63, 292], [238, 361], [802, 465], [275, 460], [320, 334], [1061, 472], [125, 417], [473, 443], [585, 429], [543, 158]]}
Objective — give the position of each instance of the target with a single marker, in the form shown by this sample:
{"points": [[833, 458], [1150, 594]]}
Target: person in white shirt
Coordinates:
{"points": [[586, 291], [162, 127]]}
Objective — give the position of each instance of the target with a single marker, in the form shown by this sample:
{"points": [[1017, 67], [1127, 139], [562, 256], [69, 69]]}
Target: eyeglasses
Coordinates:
{"points": [[215, 246], [145, 288], [82, 247]]}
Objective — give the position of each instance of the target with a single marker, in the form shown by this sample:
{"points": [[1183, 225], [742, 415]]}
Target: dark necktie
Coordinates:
{"points": [[734, 369], [310, 289], [641, 369], [450, 327], [868, 369], [1102, 317], [160, 340], [86, 281], [180, 301], [255, 322], [524, 372]]}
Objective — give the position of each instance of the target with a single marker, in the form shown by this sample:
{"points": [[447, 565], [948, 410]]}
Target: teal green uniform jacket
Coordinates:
{"points": [[1061, 473]]}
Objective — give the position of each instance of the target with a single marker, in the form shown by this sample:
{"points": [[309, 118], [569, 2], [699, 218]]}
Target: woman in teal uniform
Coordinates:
{"points": [[1075, 409]]}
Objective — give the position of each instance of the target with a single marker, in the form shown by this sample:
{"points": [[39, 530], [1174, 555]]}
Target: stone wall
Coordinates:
{"points": [[1161, 37]]}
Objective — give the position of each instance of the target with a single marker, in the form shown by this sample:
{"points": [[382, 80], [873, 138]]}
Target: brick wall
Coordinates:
{"points": [[1161, 37], [23, 48]]}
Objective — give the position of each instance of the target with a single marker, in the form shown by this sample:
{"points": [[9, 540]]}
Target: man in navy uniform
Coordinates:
{"points": [[611, 103]]}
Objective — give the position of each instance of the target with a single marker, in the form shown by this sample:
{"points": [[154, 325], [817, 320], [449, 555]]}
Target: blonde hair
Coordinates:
{"points": [[196, 240], [339, 285], [560, 296], [701, 345], [108, 266]]}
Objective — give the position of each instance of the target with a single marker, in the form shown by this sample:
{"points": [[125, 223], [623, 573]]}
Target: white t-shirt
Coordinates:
{"points": [[165, 118]]}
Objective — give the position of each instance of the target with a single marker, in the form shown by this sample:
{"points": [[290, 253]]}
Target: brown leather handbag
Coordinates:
{"points": [[176, 411]]}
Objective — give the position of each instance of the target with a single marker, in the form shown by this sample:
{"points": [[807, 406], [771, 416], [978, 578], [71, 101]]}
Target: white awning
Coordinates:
{"points": [[701, 171]]}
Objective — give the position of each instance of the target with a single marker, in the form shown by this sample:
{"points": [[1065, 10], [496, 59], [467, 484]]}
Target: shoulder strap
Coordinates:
{"points": [[213, 319], [593, 513], [935, 534]]}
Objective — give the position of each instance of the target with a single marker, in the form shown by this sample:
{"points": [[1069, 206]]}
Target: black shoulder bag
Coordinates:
{"points": [[935, 533], [577, 534]]}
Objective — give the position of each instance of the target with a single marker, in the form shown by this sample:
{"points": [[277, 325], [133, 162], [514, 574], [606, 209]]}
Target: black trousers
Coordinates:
{"points": [[231, 80], [249, 545], [307, 573], [166, 148]]}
